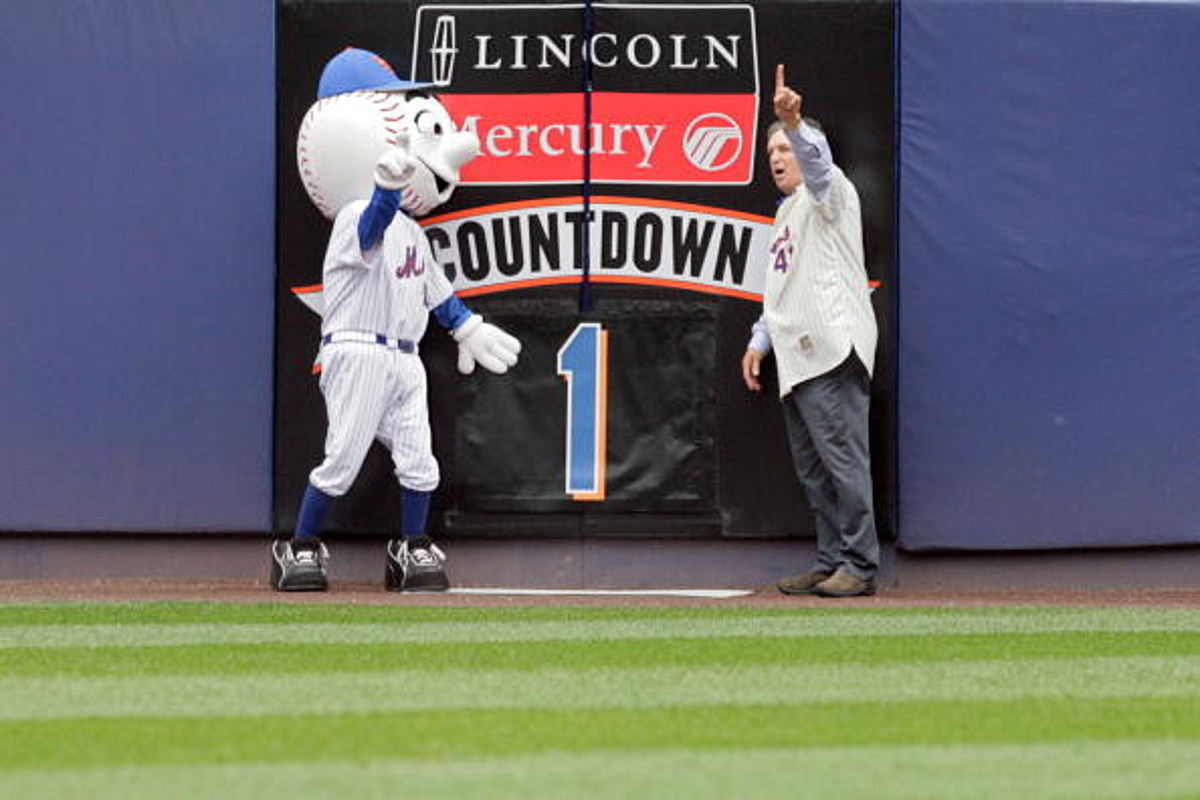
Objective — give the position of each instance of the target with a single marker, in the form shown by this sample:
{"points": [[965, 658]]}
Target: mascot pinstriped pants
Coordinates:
{"points": [[374, 393]]}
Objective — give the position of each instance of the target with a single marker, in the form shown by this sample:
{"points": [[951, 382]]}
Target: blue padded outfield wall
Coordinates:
{"points": [[137, 225], [1049, 260]]}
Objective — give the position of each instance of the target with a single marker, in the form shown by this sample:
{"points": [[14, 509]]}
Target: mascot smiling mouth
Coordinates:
{"points": [[437, 147]]}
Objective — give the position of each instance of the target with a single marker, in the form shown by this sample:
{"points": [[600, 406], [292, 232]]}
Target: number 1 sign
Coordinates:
{"points": [[583, 362]]}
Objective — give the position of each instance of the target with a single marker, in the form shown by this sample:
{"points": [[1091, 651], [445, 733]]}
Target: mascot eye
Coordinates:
{"points": [[426, 123]]}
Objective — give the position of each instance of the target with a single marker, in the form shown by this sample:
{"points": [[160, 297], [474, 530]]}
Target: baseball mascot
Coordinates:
{"points": [[374, 151]]}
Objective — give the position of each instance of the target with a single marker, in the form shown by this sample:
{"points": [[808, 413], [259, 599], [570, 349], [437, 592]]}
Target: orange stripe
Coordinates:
{"points": [[513, 285], [567, 280], [602, 466], [667, 283]]}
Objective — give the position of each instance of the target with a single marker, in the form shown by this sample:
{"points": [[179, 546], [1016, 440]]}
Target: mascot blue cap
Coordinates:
{"points": [[355, 70]]}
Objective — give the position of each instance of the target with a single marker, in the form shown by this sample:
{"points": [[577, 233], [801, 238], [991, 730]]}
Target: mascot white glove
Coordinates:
{"points": [[395, 167], [482, 342]]}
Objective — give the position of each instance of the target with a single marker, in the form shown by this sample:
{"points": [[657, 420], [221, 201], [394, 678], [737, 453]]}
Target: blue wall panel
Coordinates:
{"points": [[137, 222], [1049, 365], [1049, 360]]}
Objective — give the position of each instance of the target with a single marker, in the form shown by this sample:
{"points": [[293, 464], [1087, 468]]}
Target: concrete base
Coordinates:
{"points": [[1066, 570], [589, 563]]}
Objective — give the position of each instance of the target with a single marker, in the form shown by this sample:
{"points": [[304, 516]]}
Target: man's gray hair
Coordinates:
{"points": [[777, 125]]}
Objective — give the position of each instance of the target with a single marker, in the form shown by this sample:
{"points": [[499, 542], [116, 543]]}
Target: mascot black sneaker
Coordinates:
{"points": [[299, 565]]}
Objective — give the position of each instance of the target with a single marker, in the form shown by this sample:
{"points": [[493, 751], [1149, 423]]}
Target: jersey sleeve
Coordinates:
{"points": [[377, 216], [760, 336], [816, 163], [343, 251], [830, 207]]}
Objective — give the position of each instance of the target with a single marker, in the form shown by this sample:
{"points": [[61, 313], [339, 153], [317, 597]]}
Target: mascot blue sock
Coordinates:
{"points": [[414, 512], [313, 508]]}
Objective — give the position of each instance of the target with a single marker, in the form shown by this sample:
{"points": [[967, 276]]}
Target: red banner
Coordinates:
{"points": [[635, 138]]}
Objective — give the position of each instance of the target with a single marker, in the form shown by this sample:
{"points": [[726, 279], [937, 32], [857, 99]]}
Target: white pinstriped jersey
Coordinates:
{"points": [[390, 289], [817, 301]]}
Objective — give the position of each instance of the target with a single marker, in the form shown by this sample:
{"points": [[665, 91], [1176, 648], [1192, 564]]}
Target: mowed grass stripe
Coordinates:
{"points": [[455, 734], [848, 648], [175, 613], [503, 629], [161, 636], [1158, 768], [342, 693]]}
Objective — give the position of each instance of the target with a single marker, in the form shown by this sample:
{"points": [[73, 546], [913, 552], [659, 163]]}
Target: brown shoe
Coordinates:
{"points": [[844, 584], [804, 583]]}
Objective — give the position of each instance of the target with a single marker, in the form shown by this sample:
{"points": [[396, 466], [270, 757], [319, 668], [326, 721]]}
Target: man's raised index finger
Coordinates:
{"points": [[780, 83]]}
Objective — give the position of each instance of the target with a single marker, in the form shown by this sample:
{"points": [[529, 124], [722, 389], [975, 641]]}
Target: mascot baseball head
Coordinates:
{"points": [[363, 111]]}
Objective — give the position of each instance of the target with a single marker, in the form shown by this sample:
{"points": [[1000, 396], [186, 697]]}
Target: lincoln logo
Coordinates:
{"points": [[605, 50], [712, 142], [443, 50]]}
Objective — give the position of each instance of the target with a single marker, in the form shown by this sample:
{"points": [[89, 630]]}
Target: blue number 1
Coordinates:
{"points": [[583, 362]]}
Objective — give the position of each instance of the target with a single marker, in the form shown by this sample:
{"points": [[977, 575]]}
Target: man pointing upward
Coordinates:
{"points": [[817, 317]]}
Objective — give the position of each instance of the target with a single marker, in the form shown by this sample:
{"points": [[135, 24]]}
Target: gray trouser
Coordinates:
{"points": [[827, 429]]}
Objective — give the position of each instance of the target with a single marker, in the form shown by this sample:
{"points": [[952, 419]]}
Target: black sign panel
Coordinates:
{"points": [[639, 256]]}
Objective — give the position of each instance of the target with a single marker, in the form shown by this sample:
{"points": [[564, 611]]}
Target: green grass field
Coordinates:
{"points": [[215, 700]]}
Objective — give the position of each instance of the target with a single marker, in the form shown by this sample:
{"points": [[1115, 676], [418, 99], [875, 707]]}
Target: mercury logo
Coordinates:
{"points": [[443, 50], [712, 142]]}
